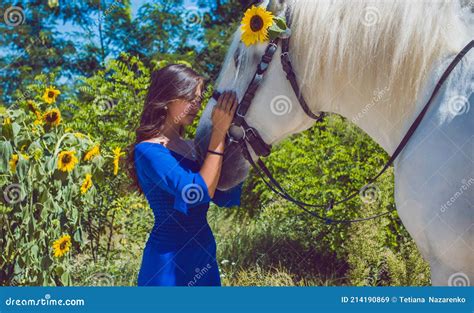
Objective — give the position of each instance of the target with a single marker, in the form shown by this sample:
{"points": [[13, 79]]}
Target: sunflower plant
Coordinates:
{"points": [[50, 175], [260, 25]]}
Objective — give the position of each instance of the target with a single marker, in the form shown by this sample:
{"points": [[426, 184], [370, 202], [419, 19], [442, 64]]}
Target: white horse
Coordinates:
{"points": [[376, 63]]}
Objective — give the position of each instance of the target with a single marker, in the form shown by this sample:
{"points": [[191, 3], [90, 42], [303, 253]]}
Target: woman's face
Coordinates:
{"points": [[183, 112]]}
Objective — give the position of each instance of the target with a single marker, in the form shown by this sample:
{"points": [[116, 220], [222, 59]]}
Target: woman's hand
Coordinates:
{"points": [[223, 112], [222, 116]]}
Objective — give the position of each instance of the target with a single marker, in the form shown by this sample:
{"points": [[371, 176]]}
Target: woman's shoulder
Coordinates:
{"points": [[161, 152], [147, 145], [149, 150]]}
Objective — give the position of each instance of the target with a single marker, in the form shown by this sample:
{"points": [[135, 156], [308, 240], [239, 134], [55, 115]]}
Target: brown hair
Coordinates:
{"points": [[172, 82]]}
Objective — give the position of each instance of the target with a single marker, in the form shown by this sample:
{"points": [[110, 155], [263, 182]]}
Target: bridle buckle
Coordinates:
{"points": [[233, 132]]}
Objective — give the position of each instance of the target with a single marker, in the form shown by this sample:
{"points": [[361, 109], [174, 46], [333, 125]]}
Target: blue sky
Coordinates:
{"points": [[68, 28]]}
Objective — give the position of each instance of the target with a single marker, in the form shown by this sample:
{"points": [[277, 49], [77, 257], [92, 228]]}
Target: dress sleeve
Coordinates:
{"points": [[188, 188], [228, 198]]}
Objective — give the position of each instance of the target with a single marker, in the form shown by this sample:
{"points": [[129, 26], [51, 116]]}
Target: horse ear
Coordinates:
{"points": [[277, 7]]}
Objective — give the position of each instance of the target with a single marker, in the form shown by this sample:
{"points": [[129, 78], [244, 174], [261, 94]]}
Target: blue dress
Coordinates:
{"points": [[181, 249]]}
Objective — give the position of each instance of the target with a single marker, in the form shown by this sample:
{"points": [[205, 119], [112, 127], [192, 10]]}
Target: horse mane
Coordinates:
{"points": [[374, 45]]}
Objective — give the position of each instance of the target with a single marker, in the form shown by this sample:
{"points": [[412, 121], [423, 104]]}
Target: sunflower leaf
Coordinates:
{"points": [[280, 22], [272, 34], [275, 28]]}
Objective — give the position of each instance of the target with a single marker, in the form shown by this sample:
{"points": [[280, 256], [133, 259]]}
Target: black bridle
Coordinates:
{"points": [[242, 134], [240, 131]]}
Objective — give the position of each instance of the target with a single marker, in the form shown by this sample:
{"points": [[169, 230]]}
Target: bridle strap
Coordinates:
{"points": [[252, 88], [259, 146], [290, 73]]}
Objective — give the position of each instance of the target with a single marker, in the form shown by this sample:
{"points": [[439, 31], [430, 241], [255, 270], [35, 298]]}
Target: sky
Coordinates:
{"points": [[69, 28]]}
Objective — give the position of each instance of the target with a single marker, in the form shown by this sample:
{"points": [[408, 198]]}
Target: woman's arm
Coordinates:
{"points": [[222, 116]]}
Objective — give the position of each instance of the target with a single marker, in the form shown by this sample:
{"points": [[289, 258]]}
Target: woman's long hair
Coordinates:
{"points": [[172, 82]]}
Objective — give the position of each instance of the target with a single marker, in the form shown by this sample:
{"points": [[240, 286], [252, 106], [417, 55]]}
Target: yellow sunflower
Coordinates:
{"points": [[92, 153], [52, 117], [255, 24], [79, 135], [37, 154], [7, 121], [39, 118], [13, 162], [86, 184], [117, 154], [62, 246], [32, 106], [67, 160], [50, 95]]}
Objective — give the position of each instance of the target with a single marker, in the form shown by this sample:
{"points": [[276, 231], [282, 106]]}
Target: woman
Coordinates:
{"points": [[181, 250]]}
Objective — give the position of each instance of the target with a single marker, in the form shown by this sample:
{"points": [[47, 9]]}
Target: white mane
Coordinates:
{"points": [[373, 45]]}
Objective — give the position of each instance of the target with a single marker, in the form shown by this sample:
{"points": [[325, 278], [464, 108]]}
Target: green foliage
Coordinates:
{"points": [[131, 220], [372, 263], [34, 45], [43, 202], [109, 103], [335, 159]]}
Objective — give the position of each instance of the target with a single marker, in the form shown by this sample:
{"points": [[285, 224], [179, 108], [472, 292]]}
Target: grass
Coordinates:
{"points": [[253, 252]]}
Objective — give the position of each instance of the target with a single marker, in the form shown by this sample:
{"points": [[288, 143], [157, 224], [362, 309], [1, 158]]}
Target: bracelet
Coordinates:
{"points": [[215, 152]]}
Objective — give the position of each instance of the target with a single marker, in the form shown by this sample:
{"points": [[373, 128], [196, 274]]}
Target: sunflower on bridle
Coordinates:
{"points": [[259, 25]]}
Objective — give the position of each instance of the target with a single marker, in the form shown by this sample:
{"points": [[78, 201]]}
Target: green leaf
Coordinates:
{"points": [[6, 152], [275, 28], [50, 163], [65, 278], [280, 22], [16, 129], [272, 34], [46, 262], [59, 270], [78, 235], [34, 250]]}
